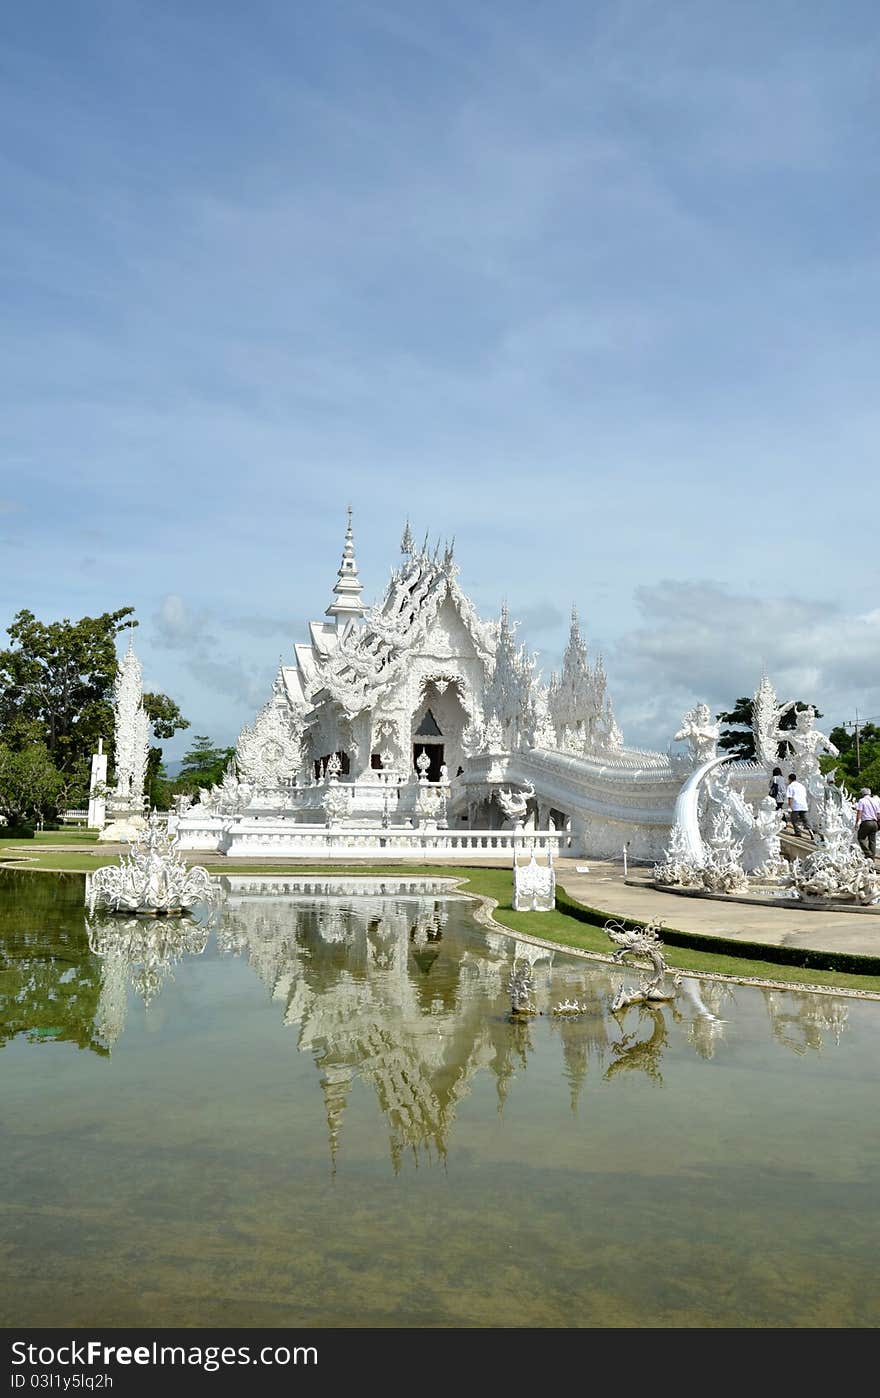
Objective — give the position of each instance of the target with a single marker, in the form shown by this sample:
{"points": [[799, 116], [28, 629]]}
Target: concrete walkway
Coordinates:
{"points": [[856, 933]]}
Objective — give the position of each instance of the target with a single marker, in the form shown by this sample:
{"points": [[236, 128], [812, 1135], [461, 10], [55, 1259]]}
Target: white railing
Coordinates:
{"points": [[73, 817], [278, 840]]}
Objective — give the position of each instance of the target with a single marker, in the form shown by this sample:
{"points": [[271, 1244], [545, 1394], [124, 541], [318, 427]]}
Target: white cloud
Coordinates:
{"points": [[702, 641]]}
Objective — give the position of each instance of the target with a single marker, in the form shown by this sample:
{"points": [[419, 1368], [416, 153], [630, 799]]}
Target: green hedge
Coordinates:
{"points": [[846, 962], [16, 832]]}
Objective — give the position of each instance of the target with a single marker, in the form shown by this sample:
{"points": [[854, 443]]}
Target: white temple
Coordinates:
{"points": [[398, 728]]}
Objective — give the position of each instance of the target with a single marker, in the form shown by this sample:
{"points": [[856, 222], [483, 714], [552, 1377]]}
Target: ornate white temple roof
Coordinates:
{"points": [[357, 666]]}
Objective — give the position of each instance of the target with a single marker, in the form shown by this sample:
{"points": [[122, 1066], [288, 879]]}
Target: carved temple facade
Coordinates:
{"points": [[396, 726]]}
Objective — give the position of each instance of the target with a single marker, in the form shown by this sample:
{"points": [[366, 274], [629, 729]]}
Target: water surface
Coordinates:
{"points": [[318, 1112]]}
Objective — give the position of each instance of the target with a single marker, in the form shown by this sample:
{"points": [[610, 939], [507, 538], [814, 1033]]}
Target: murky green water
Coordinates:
{"points": [[318, 1113]]}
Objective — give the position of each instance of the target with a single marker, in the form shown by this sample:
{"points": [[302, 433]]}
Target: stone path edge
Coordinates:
{"points": [[486, 907]]}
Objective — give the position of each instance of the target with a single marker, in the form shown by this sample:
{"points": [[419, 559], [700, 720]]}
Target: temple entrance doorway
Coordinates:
{"points": [[435, 757], [429, 739]]}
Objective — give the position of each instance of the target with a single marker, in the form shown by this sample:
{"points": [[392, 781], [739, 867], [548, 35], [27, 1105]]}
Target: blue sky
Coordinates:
{"points": [[592, 287]]}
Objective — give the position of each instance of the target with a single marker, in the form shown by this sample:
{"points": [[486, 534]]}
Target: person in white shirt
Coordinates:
{"points": [[866, 823], [796, 804]]}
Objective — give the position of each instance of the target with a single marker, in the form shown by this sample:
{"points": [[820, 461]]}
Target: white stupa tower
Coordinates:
{"points": [[347, 606]]}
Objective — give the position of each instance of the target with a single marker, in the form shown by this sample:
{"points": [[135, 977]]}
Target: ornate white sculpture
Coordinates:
{"points": [[678, 867], [534, 885], [336, 803], [687, 822], [131, 752], [231, 795], [766, 714], [472, 739], [757, 834], [511, 694], [847, 876], [150, 877], [702, 734], [270, 751], [132, 731], [808, 744], [714, 864], [578, 703], [837, 869], [521, 986], [645, 942], [761, 847], [805, 741], [430, 804], [493, 735], [515, 804]]}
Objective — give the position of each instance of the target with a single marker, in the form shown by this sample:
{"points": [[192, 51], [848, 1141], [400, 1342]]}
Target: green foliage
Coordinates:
{"points": [[49, 980], [164, 715], [157, 783], [29, 783], [203, 765], [56, 684], [739, 740], [56, 694], [851, 773]]}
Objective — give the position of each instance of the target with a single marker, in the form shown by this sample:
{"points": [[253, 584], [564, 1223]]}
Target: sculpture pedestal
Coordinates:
{"points": [[125, 825]]}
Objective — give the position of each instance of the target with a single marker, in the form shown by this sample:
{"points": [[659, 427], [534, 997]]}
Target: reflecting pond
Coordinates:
{"points": [[317, 1112]]}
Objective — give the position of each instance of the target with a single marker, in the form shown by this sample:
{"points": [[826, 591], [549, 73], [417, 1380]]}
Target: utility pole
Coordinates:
{"points": [[854, 724]]}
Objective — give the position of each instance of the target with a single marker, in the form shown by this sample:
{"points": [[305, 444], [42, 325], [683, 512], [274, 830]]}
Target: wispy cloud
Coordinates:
{"points": [[591, 287], [701, 641]]}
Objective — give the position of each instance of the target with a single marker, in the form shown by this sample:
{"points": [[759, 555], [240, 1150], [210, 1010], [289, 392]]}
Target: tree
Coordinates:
{"points": [[739, 740], [164, 715], [203, 765], [853, 773], [56, 684], [56, 691], [29, 783], [167, 720]]}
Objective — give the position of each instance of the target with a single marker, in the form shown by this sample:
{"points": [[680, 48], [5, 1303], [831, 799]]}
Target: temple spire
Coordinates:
{"points": [[348, 605], [407, 543]]}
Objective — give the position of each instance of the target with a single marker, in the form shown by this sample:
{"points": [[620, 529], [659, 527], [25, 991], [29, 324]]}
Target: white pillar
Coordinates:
{"points": [[97, 787]]}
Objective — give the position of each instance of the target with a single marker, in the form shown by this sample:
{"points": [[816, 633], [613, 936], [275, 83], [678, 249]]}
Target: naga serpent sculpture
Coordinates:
{"points": [[641, 941]]}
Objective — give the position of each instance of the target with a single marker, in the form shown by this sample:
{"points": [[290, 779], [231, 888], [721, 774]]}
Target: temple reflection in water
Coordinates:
{"points": [[391, 983]]}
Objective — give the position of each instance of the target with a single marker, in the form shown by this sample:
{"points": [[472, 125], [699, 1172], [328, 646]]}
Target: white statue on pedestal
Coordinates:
{"points": [[701, 733], [808, 743], [131, 744]]}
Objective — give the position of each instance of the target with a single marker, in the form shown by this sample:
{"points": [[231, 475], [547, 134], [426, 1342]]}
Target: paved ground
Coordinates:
{"points": [[604, 887]]}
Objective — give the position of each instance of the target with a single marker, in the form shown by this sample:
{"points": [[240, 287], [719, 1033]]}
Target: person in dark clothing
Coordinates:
{"points": [[777, 788], [867, 812]]}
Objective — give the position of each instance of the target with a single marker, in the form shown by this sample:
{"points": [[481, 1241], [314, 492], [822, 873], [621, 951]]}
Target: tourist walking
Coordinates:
{"points": [[867, 813], [777, 788], [796, 802]]}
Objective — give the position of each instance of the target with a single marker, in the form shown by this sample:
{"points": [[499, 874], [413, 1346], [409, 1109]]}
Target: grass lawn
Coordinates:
{"points": [[570, 924]]}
